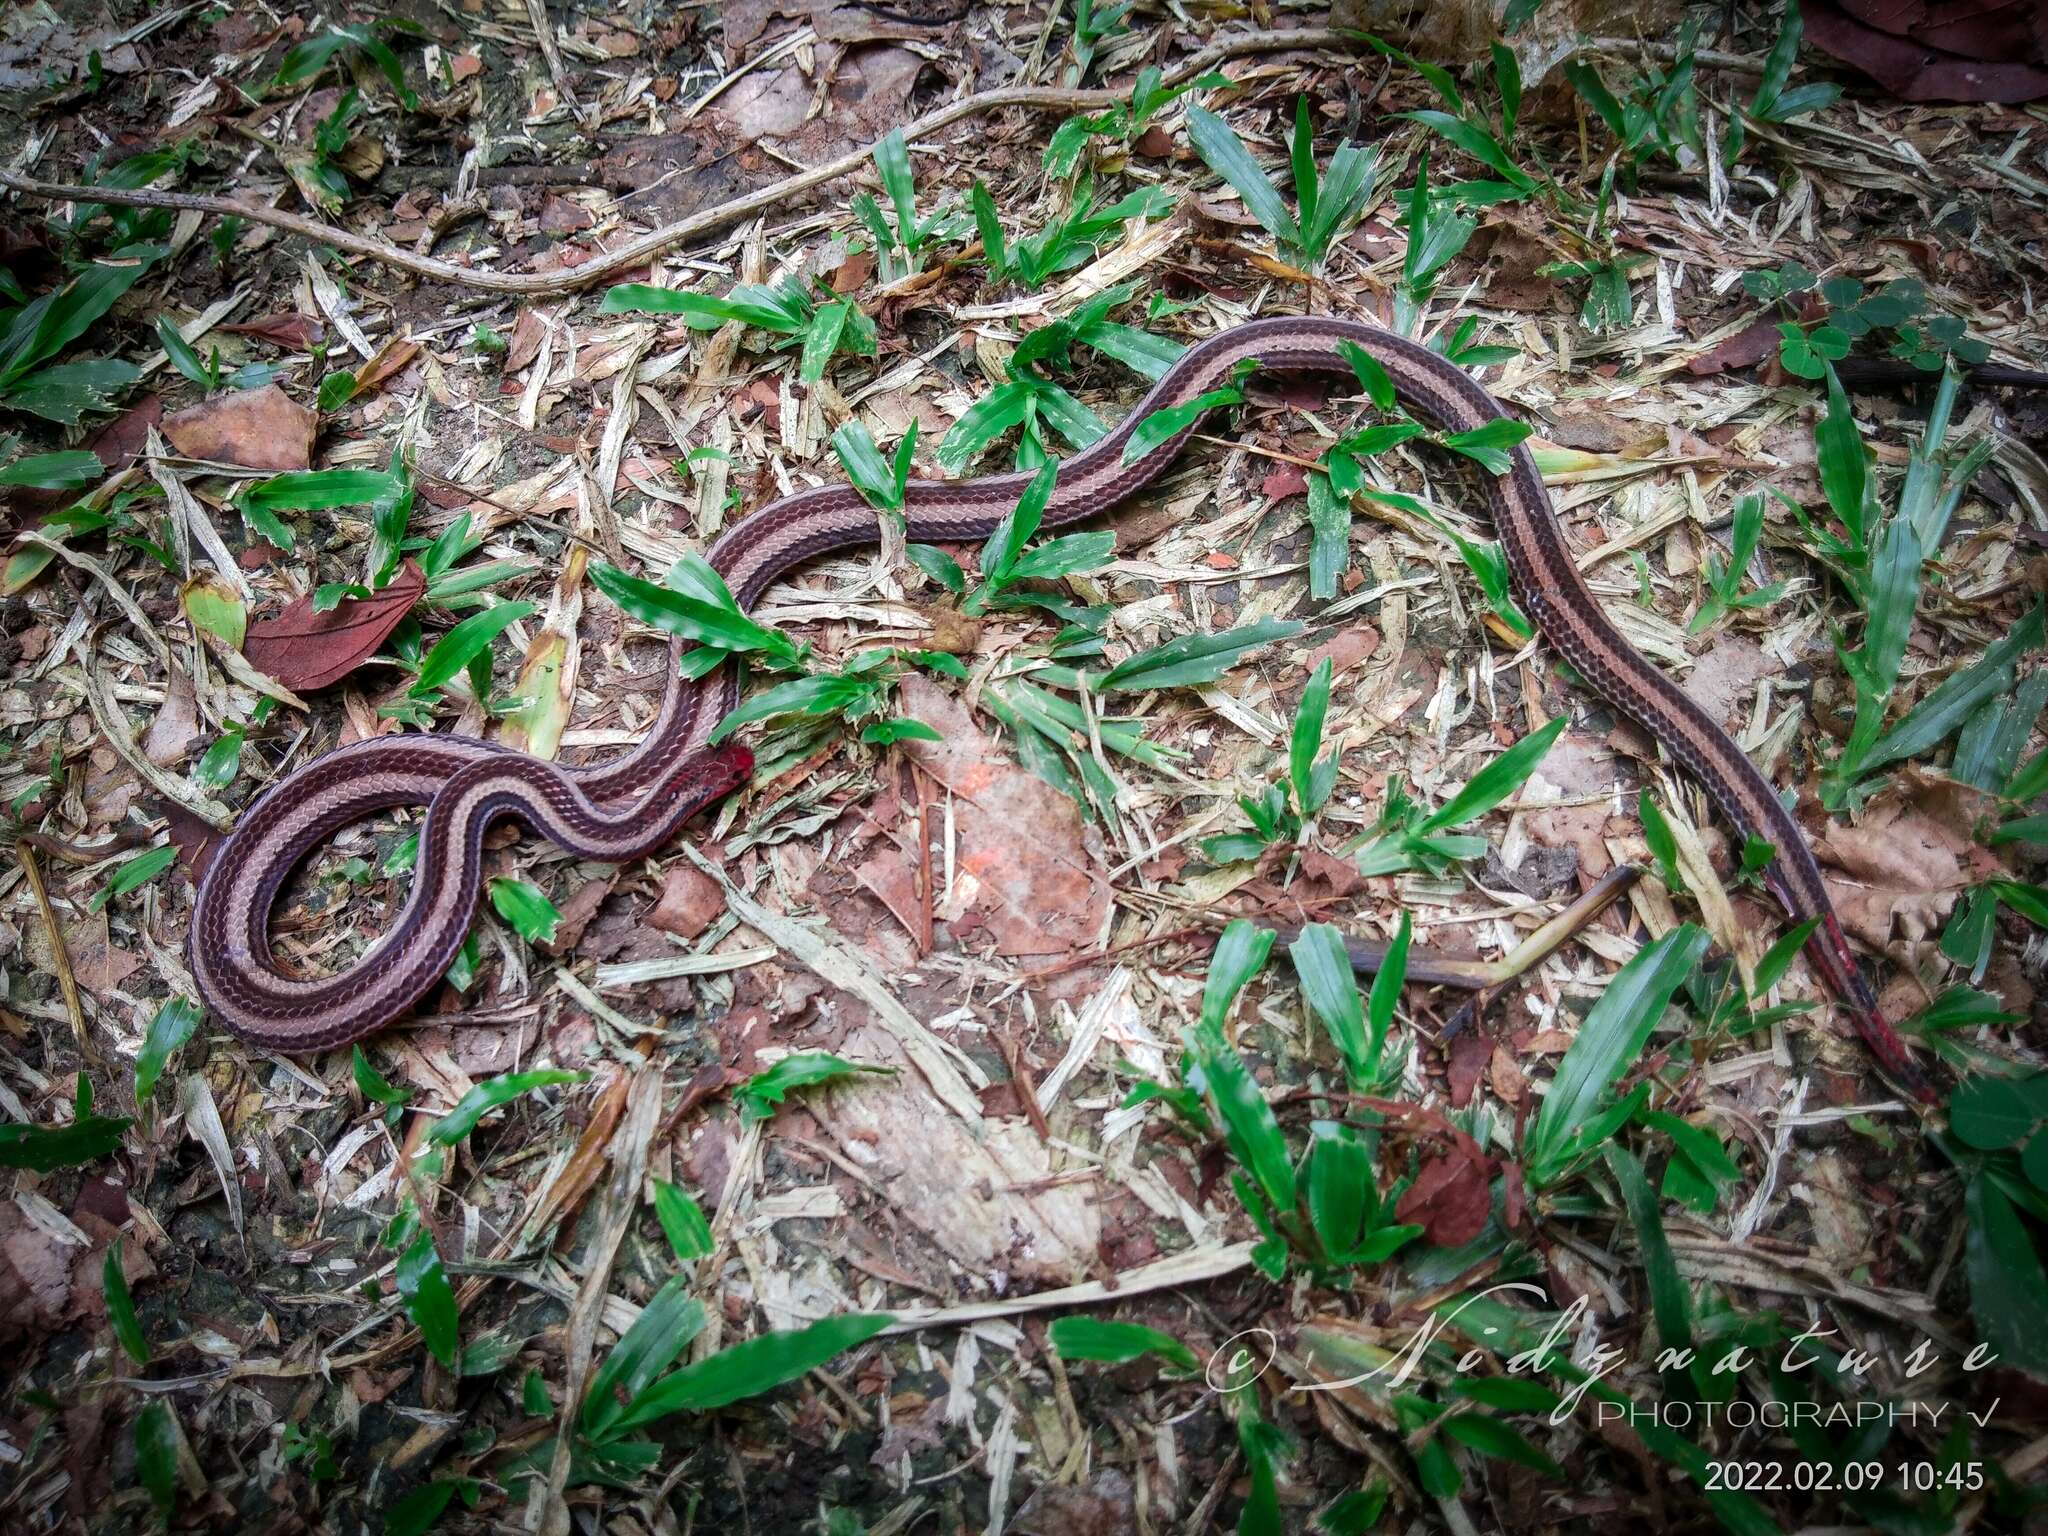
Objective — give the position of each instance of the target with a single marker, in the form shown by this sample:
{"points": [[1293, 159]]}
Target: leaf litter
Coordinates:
{"points": [[347, 1314]]}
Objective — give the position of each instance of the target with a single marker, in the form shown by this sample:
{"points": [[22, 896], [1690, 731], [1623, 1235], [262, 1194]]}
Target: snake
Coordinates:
{"points": [[630, 806]]}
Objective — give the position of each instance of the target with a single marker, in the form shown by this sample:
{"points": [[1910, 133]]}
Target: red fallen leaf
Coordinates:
{"points": [[1450, 1197], [193, 836], [1936, 50], [257, 428], [1470, 1053], [848, 276], [305, 650], [527, 332], [389, 359], [298, 332], [1287, 480], [1745, 349]]}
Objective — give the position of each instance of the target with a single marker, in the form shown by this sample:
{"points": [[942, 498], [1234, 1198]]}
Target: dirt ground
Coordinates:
{"points": [[818, 1171]]}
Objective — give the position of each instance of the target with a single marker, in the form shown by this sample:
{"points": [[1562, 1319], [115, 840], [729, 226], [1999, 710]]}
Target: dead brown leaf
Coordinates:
{"points": [[1029, 868], [306, 650], [255, 428], [1451, 1197]]}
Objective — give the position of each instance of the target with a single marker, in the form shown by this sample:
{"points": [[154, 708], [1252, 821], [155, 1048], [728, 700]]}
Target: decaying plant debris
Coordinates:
{"points": [[939, 1137]]}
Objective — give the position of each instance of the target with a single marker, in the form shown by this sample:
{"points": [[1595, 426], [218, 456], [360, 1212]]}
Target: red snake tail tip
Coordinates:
{"points": [[1884, 1043]]}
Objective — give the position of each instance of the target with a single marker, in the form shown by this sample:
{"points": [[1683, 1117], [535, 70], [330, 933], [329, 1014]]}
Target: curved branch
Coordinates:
{"points": [[638, 251]]}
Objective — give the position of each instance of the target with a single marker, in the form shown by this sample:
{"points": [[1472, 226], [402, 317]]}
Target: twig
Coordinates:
{"points": [[60, 956], [1533, 950], [637, 252], [544, 34]]}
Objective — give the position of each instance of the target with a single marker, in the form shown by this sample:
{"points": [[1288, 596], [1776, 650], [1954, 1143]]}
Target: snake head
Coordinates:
{"points": [[729, 767]]}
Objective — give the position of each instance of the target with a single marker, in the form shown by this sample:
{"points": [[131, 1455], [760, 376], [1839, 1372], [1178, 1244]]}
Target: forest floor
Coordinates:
{"points": [[1142, 1224]]}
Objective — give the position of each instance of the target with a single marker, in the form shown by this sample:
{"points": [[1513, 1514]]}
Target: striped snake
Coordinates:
{"points": [[623, 809]]}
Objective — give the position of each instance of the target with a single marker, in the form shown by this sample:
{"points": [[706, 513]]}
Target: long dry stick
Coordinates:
{"points": [[634, 253]]}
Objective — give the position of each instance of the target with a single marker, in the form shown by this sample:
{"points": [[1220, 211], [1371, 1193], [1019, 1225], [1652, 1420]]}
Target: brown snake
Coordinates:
{"points": [[623, 809]]}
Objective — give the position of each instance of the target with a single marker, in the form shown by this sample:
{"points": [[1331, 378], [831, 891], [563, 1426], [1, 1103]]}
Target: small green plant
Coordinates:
{"points": [[1342, 477], [312, 58], [761, 1095], [1437, 233], [1724, 577], [1008, 560], [1578, 1114], [45, 1149], [209, 373], [1359, 1031], [1658, 111], [634, 1389], [465, 651], [1335, 1217], [1881, 561], [1408, 836], [1093, 25], [317, 172], [858, 695], [1149, 97], [1773, 102], [1807, 346], [1325, 209], [1470, 127], [35, 331], [824, 326], [1070, 241], [881, 482], [899, 246], [1035, 405], [1281, 811]]}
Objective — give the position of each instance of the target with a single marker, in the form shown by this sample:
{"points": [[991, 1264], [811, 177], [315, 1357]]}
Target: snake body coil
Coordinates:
{"points": [[632, 805]]}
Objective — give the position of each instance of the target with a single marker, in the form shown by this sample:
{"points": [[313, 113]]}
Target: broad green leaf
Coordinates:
{"points": [[1305, 739], [54, 471], [1250, 1128], [133, 874], [454, 651], [371, 1084], [121, 1307], [1503, 1442], [156, 1454], [719, 625], [1670, 1301], [489, 1095], [429, 1301], [1092, 1338], [1342, 1196], [1241, 953], [174, 1024], [1991, 1113], [45, 1149], [317, 490], [760, 1095], [1608, 1042], [1943, 711], [1224, 153], [747, 1370], [1169, 421], [1496, 781], [527, 908], [657, 1339], [1330, 988], [1194, 659], [682, 1221], [2008, 1289], [1844, 469]]}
